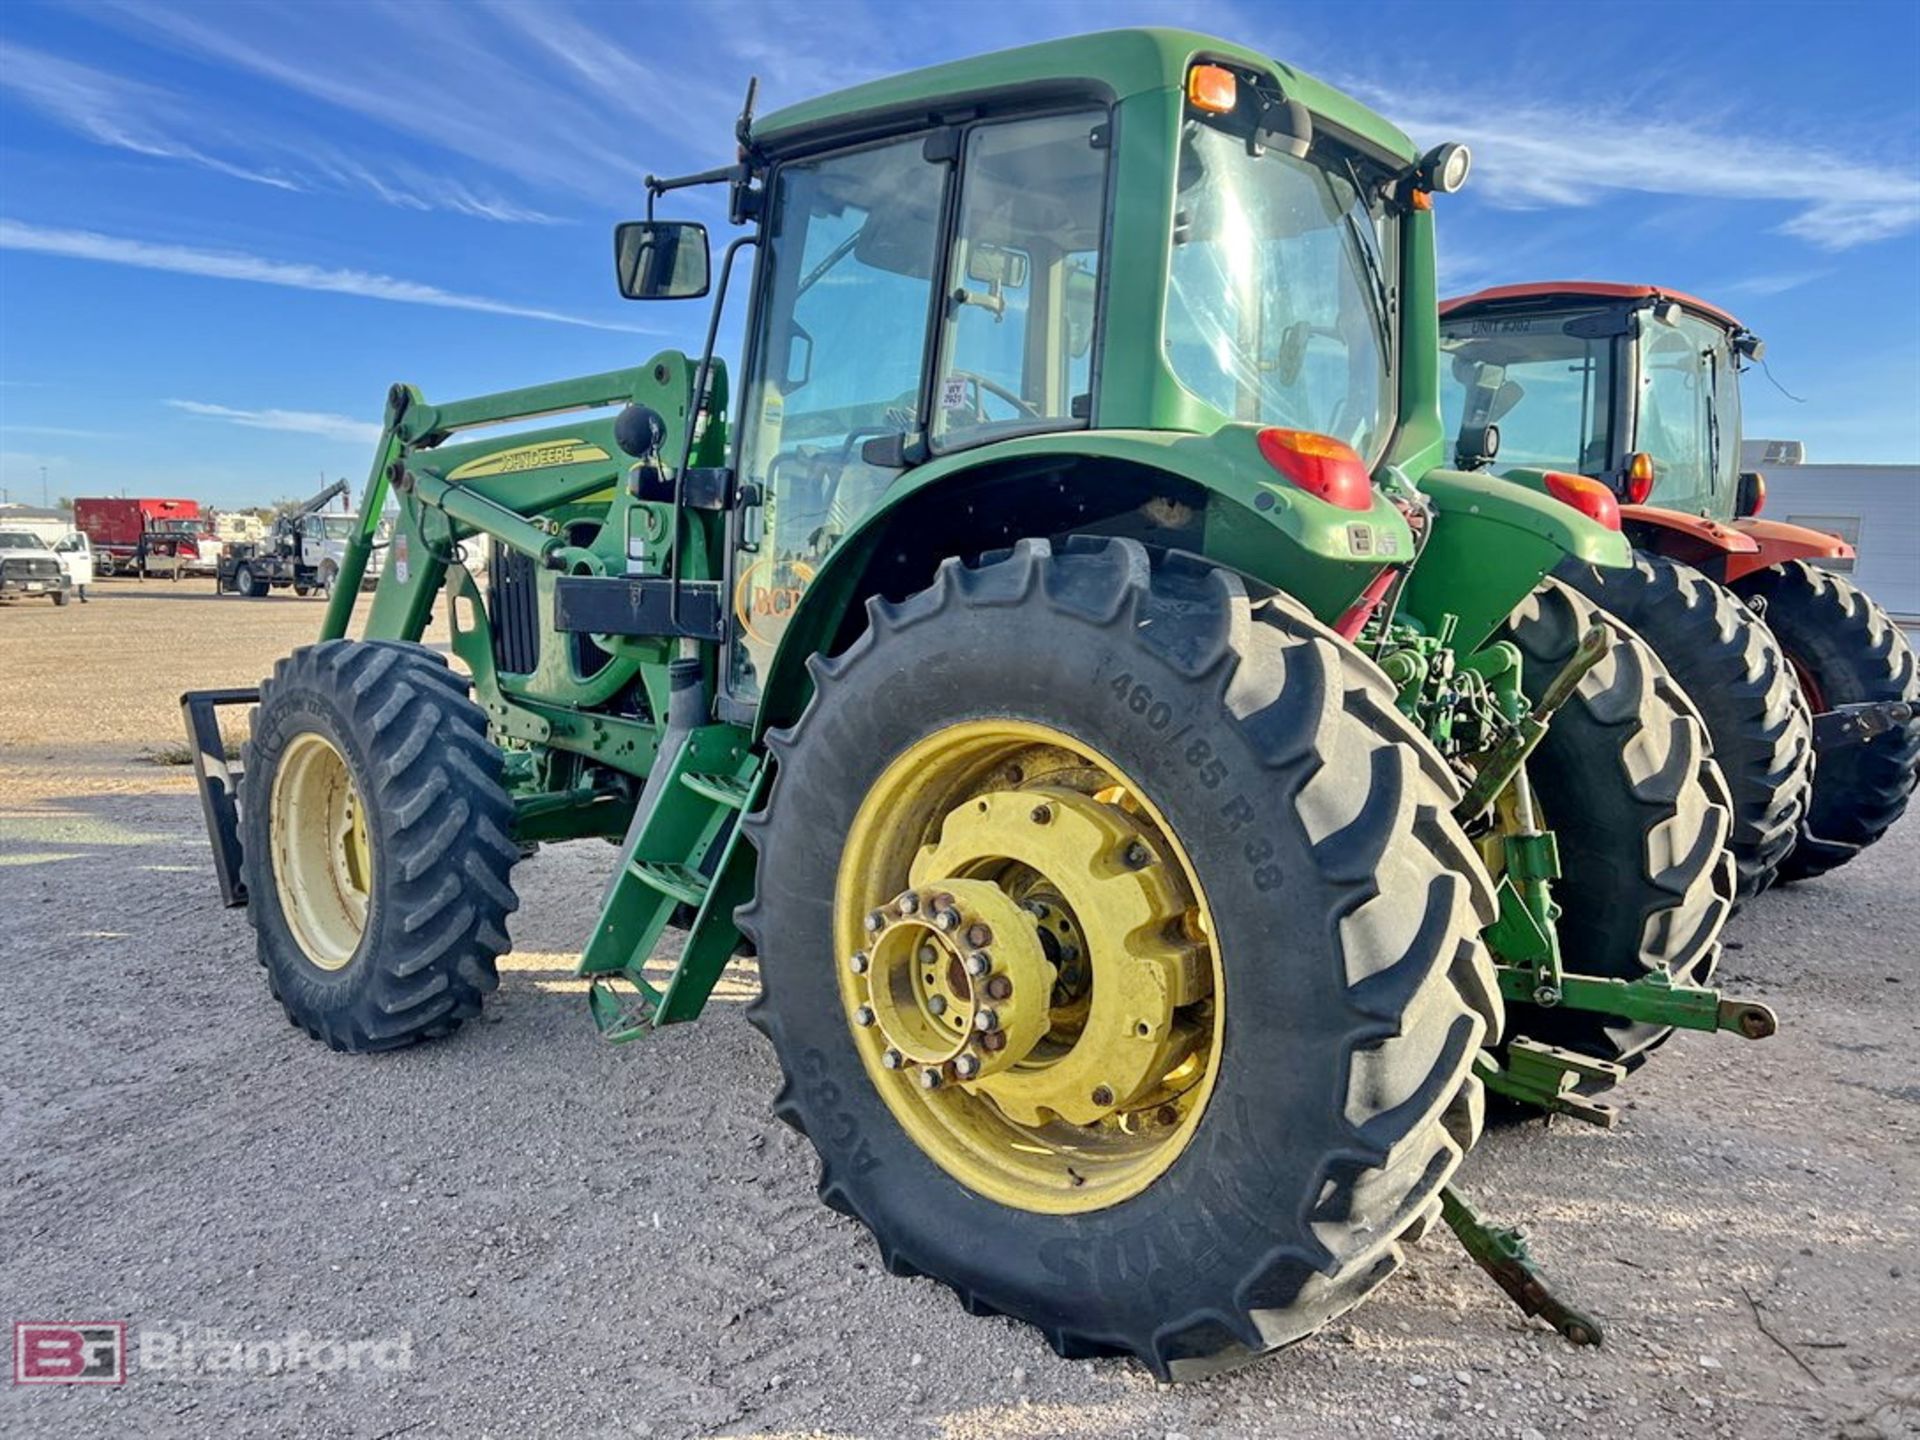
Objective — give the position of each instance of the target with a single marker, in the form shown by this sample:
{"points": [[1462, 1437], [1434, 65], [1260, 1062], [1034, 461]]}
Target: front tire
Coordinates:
{"points": [[1733, 671], [1626, 781], [1340, 994], [1845, 650], [376, 842]]}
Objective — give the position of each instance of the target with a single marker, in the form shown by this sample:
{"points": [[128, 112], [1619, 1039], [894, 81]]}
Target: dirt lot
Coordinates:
{"points": [[584, 1239]]}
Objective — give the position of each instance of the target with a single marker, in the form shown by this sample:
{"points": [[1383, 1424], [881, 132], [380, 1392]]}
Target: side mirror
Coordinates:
{"points": [[661, 259], [1751, 498], [997, 265]]}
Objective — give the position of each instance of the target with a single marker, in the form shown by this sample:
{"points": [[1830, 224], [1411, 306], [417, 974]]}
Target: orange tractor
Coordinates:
{"points": [[1807, 686]]}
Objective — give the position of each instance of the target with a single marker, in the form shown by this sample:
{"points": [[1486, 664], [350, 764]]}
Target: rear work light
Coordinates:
{"points": [[1320, 465], [1639, 477], [1588, 496], [1212, 88]]}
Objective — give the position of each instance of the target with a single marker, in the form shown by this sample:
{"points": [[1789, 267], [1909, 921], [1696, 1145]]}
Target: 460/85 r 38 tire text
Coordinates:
{"points": [[1244, 1068]]}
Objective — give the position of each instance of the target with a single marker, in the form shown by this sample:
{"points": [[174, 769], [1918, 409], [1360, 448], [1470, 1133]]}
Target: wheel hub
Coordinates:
{"points": [[322, 850], [1029, 969], [955, 982]]}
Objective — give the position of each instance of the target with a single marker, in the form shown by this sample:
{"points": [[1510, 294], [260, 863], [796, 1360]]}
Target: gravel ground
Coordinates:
{"points": [[566, 1236]]}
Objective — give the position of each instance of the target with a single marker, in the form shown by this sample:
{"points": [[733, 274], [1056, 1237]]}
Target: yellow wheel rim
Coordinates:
{"points": [[322, 853], [1027, 963]]}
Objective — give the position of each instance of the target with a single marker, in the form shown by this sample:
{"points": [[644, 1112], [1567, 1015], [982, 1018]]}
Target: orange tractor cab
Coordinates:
{"points": [[1807, 685]]}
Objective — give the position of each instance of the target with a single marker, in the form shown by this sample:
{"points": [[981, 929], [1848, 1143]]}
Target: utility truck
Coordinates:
{"points": [[1060, 656], [303, 551]]}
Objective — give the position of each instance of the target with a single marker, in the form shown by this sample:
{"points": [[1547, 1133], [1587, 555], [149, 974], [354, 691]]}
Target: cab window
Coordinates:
{"points": [[1016, 340]]}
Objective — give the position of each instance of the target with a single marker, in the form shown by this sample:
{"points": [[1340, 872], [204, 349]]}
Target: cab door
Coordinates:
{"points": [[838, 359], [879, 261]]}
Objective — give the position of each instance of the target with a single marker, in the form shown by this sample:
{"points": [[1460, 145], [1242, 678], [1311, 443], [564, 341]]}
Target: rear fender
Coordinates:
{"points": [[1493, 542], [1212, 494], [1709, 546], [1775, 541]]}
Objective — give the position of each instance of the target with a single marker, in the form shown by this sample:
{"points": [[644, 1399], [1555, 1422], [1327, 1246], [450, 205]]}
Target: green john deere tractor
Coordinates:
{"points": [[1064, 664], [1810, 691]]}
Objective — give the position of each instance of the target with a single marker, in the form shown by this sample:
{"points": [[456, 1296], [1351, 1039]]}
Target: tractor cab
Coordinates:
{"points": [[1628, 384]]}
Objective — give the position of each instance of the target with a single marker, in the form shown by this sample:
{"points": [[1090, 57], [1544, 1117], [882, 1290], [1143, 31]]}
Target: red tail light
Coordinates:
{"points": [[1320, 465], [1589, 497]]}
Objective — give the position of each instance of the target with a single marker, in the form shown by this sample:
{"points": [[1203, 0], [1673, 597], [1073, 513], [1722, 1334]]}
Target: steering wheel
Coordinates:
{"points": [[982, 386]]}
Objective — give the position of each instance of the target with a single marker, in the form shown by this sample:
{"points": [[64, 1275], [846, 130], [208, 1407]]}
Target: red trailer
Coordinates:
{"points": [[125, 532]]}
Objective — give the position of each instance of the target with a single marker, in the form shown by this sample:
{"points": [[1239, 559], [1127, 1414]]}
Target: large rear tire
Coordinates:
{"points": [[1733, 670], [1334, 995], [376, 841], [1845, 650], [1627, 783]]}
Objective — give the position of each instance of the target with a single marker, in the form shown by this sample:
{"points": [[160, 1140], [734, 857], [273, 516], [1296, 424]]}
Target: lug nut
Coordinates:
{"points": [[1041, 814], [863, 1016], [893, 1059], [994, 1041], [967, 1066], [908, 903], [946, 921], [979, 934], [987, 1020], [1138, 856], [1000, 987], [876, 921], [1102, 1095], [936, 1004], [928, 955], [930, 1079], [979, 963], [1039, 909], [858, 962]]}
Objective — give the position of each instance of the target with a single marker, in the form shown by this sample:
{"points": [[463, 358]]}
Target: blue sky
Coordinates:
{"points": [[225, 229]]}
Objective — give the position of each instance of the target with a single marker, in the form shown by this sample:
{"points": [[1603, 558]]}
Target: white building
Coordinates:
{"points": [[49, 525], [1876, 508]]}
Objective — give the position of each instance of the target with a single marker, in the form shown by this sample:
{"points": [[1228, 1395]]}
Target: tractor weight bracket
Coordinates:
{"points": [[1504, 1255]]}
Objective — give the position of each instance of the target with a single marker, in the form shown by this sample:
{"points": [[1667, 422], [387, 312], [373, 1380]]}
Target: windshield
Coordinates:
{"points": [[21, 540], [1279, 294], [1547, 391], [338, 527], [1688, 418]]}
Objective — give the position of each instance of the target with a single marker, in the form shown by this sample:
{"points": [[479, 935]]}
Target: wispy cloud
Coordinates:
{"points": [[300, 422], [144, 119], [238, 265], [64, 432], [477, 98], [125, 114], [1529, 156], [1774, 283]]}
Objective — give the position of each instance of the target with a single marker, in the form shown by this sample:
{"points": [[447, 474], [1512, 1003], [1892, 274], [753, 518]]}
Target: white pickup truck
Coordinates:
{"points": [[28, 567], [75, 553]]}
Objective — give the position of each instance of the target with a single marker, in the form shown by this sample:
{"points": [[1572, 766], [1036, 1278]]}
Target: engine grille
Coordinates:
{"points": [[513, 604], [31, 568]]}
